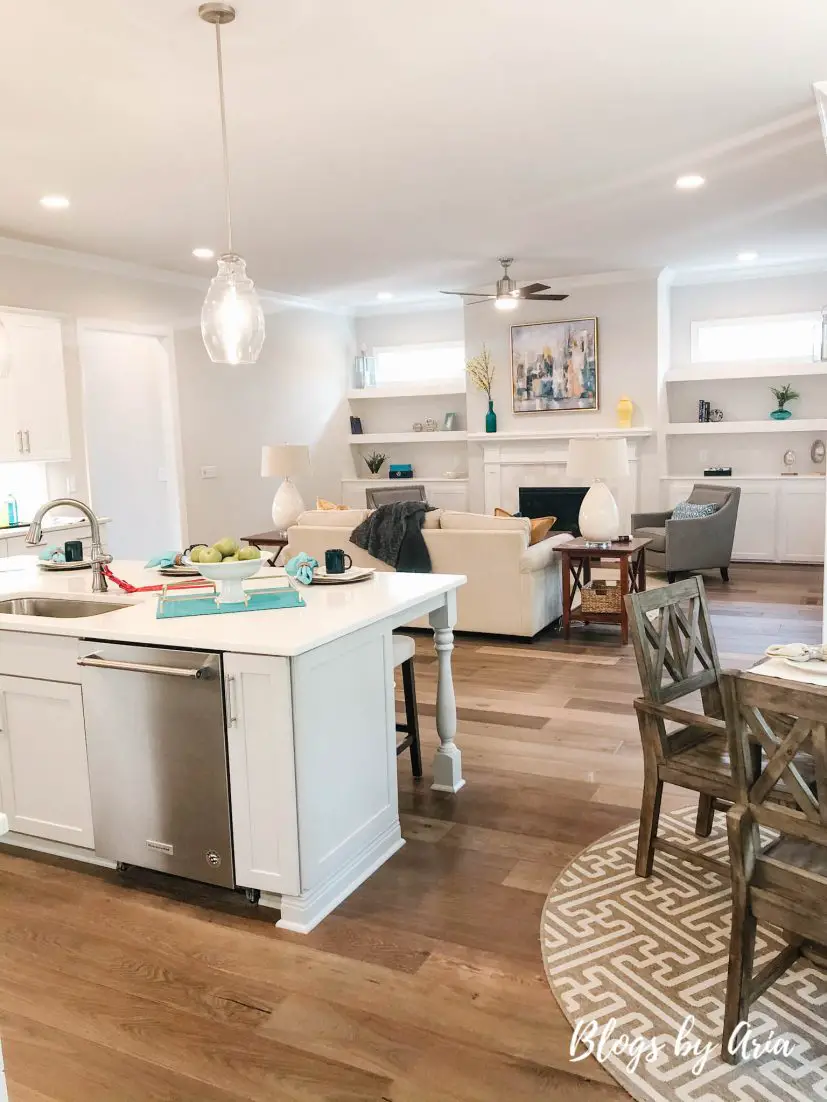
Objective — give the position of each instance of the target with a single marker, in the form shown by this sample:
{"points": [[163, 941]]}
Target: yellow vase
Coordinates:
{"points": [[625, 412]]}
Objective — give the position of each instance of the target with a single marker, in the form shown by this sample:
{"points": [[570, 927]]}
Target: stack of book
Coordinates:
{"points": [[703, 410]]}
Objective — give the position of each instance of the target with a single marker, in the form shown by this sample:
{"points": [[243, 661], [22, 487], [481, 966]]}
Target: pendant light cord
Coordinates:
{"points": [[224, 138]]}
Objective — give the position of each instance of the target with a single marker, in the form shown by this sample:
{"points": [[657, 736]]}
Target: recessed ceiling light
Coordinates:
{"points": [[54, 202], [747, 257], [203, 254], [384, 296], [689, 183]]}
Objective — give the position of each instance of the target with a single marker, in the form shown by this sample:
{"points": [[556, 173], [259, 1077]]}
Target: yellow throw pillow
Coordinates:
{"points": [[540, 526], [329, 505]]}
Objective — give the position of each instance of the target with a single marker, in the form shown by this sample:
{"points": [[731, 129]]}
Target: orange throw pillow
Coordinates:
{"points": [[540, 526], [329, 505]]}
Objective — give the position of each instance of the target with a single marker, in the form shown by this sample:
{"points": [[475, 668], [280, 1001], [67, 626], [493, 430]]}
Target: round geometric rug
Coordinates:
{"points": [[639, 970]]}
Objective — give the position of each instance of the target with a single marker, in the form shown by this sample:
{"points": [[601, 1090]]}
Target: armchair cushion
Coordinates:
{"points": [[656, 535]]}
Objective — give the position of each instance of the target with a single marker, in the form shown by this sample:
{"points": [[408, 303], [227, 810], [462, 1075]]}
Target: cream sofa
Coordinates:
{"points": [[512, 588]]}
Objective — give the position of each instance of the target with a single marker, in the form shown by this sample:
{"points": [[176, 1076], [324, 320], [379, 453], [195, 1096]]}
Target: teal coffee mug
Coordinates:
{"points": [[334, 561]]}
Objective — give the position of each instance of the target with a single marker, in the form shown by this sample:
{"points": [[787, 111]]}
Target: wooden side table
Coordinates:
{"points": [[275, 541], [577, 571]]}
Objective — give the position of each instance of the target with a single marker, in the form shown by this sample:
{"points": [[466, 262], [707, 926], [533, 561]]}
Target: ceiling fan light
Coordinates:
{"points": [[506, 302], [232, 320]]}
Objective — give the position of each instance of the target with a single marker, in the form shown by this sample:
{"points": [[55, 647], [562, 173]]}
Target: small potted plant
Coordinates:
{"points": [[783, 395], [374, 463], [481, 372]]}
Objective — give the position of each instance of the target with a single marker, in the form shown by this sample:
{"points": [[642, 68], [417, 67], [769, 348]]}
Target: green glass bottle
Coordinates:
{"points": [[491, 417]]}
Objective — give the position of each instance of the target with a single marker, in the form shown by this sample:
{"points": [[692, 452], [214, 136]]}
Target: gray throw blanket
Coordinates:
{"points": [[393, 534]]}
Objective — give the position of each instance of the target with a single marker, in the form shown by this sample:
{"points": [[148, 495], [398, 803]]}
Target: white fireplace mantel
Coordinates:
{"points": [[515, 459]]}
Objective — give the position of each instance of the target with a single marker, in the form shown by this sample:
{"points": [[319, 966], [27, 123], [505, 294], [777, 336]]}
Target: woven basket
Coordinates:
{"points": [[600, 596]]}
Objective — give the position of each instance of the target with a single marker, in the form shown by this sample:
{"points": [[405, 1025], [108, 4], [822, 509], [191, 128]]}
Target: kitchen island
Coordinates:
{"points": [[308, 703]]}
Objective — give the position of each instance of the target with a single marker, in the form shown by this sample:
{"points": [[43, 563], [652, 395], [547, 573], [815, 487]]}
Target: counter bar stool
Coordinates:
{"points": [[404, 649]]}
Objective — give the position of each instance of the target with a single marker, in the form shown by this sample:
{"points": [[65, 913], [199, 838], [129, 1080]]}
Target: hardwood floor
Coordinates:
{"points": [[427, 984]]}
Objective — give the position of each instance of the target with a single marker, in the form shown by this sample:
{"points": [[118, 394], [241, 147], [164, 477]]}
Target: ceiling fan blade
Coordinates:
{"points": [[544, 298], [469, 294], [532, 289]]}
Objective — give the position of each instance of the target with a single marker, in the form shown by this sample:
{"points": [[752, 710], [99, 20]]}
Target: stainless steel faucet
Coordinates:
{"points": [[99, 559]]}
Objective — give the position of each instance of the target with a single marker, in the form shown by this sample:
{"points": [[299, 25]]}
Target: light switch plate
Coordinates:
{"points": [[209, 472]]}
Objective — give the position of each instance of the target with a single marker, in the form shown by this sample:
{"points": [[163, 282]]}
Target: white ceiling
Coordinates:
{"points": [[402, 145]]}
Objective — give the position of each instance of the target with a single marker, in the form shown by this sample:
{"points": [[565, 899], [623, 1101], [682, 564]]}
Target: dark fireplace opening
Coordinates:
{"points": [[562, 502]]}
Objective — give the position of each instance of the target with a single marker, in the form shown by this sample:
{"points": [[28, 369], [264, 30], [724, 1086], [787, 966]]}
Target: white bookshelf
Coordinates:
{"points": [[731, 428], [408, 390], [459, 436]]}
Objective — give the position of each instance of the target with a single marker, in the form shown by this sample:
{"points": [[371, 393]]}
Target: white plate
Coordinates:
{"points": [[64, 565], [816, 666], [355, 574]]}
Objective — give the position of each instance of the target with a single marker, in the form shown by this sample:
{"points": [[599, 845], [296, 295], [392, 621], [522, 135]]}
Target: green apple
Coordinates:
{"points": [[231, 558], [249, 553], [226, 546], [211, 555], [197, 552]]}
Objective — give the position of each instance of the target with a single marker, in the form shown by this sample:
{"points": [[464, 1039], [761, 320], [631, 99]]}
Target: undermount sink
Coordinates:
{"points": [[57, 606]]}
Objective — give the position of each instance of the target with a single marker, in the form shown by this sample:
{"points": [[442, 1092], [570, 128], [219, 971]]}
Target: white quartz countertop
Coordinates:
{"points": [[50, 524], [330, 612]]}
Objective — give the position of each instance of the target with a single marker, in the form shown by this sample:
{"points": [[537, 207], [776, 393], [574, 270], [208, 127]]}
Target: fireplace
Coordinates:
{"points": [[562, 502]]}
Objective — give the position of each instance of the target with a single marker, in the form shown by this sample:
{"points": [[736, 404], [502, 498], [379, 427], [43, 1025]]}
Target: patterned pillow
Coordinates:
{"points": [[691, 510]]}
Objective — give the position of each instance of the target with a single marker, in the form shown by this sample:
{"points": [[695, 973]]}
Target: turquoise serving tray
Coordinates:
{"points": [[261, 600]]}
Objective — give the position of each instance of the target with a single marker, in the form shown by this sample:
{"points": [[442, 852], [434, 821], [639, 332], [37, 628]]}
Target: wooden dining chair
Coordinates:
{"points": [[783, 882], [676, 658]]}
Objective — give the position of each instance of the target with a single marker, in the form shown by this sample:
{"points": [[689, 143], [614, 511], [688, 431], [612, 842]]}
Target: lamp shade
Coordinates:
{"points": [[595, 457], [284, 460]]}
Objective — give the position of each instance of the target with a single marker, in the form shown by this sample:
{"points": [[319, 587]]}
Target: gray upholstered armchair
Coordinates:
{"points": [[704, 543]]}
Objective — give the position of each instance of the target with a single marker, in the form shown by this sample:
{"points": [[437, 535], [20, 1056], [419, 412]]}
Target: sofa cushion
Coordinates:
{"points": [[480, 522], [332, 518], [656, 535], [432, 519], [540, 526]]}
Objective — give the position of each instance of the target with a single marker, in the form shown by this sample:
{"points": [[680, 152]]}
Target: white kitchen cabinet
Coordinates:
{"points": [[34, 413], [262, 773], [801, 520], [44, 777]]}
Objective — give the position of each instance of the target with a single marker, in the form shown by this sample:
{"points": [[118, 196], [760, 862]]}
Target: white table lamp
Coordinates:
{"points": [[593, 459], [285, 460]]}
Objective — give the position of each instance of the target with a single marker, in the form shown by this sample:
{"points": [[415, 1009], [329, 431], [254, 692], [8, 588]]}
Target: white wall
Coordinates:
{"points": [[383, 330], [627, 314], [294, 394]]}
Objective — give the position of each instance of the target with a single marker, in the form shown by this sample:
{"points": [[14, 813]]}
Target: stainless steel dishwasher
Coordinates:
{"points": [[157, 751]]}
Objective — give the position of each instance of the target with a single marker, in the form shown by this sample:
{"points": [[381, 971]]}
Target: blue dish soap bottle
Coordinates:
{"points": [[11, 511]]}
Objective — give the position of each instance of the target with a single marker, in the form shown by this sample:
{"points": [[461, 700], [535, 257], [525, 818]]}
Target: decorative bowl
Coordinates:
{"points": [[781, 414], [229, 576]]}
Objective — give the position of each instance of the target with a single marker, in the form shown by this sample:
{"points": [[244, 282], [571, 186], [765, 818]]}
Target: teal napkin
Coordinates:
{"points": [[167, 559], [301, 567], [52, 553]]}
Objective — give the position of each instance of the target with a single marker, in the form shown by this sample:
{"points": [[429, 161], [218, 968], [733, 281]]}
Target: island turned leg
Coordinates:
{"points": [[448, 759]]}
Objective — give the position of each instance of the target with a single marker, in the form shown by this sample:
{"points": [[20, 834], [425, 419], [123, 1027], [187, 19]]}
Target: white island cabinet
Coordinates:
{"points": [[310, 719]]}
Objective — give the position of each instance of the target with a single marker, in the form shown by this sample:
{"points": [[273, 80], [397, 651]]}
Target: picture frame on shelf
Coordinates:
{"points": [[356, 426], [554, 366], [450, 422]]}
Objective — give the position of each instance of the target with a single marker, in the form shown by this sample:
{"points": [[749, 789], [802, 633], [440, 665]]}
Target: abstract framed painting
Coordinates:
{"points": [[554, 366]]}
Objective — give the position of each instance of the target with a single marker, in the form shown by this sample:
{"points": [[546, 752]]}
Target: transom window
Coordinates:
{"points": [[420, 363], [779, 337]]}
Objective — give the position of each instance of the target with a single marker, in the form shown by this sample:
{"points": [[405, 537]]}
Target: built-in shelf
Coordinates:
{"points": [[409, 390], [456, 437], [557, 434], [754, 370], [396, 481], [743, 477], [731, 428]]}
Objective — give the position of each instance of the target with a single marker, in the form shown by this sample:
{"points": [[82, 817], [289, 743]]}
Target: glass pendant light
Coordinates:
{"points": [[232, 321]]}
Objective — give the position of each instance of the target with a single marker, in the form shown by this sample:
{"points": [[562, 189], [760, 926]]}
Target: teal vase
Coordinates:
{"points": [[491, 417], [781, 414]]}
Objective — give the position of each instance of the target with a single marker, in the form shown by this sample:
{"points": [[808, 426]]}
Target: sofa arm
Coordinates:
{"points": [[539, 556], [650, 520]]}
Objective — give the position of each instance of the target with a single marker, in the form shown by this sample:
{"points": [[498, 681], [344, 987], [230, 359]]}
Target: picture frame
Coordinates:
{"points": [[554, 367], [356, 426], [450, 422]]}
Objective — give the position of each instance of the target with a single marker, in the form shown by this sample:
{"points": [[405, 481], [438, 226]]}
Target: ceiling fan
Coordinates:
{"points": [[508, 294]]}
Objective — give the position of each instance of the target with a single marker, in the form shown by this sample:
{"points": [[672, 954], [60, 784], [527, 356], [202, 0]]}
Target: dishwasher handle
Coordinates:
{"points": [[140, 667]]}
